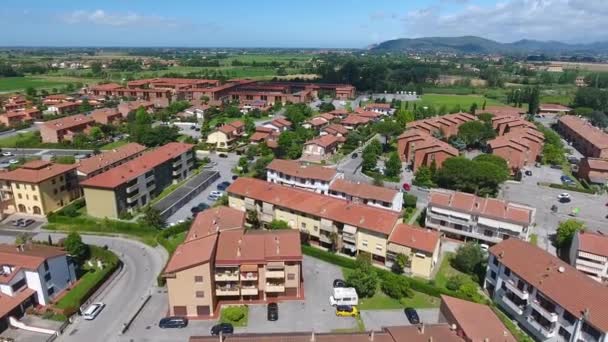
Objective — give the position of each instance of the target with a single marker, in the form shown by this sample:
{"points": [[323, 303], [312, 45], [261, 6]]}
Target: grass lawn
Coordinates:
{"points": [[9, 84], [13, 140], [92, 279], [173, 241], [446, 271], [114, 144], [241, 311], [534, 239], [450, 101], [420, 301]]}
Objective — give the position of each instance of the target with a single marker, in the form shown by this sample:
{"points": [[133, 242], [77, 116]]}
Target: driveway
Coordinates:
{"points": [[376, 319]]}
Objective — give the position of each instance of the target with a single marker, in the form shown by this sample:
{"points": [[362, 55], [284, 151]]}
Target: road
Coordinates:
{"points": [[33, 128], [123, 295]]}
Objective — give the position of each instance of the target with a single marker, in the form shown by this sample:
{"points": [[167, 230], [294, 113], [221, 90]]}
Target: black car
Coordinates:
{"points": [[339, 283], [223, 186], [354, 155], [225, 328], [173, 322], [200, 207], [528, 173], [412, 315], [222, 155], [234, 177], [273, 311]]}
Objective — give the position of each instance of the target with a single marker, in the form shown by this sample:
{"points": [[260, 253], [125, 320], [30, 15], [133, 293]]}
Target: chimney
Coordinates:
{"points": [[421, 328], [312, 337], [238, 251], [371, 335]]}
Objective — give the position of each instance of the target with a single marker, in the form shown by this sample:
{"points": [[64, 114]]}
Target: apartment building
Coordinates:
{"points": [[468, 217], [508, 124], [594, 170], [325, 221], [376, 196], [321, 148], [418, 148], [421, 246], [31, 275], [39, 187], [308, 177], [220, 262], [106, 160], [278, 125], [62, 108], [380, 108], [20, 117], [64, 129], [130, 186], [591, 141], [589, 254], [16, 103], [520, 148], [130, 106], [106, 89], [445, 125], [227, 135], [107, 116], [547, 297]]}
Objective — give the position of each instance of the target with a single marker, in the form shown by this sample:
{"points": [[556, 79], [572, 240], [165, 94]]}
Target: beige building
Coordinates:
{"points": [[39, 187], [225, 136], [107, 160], [221, 263], [422, 248]]}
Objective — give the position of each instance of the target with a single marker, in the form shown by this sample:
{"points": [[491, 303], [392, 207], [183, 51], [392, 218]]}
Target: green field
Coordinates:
{"points": [[450, 101], [10, 84]]}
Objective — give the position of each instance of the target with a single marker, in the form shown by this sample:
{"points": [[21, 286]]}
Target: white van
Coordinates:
{"points": [[92, 311], [344, 296]]}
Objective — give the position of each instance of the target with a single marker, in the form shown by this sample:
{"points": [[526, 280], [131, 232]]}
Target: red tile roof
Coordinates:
{"points": [[68, 122], [107, 158], [379, 105], [336, 129], [215, 220], [415, 238], [106, 87], [36, 172], [32, 255], [597, 164], [364, 190], [354, 119], [570, 289], [358, 215], [323, 141], [136, 167], [554, 107], [255, 246], [502, 111], [584, 129], [594, 243], [192, 253], [104, 113], [295, 169], [9, 303], [280, 122]]}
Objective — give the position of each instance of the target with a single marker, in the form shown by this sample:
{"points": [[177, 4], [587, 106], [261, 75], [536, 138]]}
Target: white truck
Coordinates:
{"points": [[344, 296]]}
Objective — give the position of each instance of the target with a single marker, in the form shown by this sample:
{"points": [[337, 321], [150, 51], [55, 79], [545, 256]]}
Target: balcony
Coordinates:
{"points": [[133, 198], [324, 238], [349, 238], [518, 309], [512, 286], [176, 172], [272, 288], [249, 291], [249, 276], [550, 316], [598, 266], [227, 291], [275, 274], [546, 332], [227, 276], [132, 188]]}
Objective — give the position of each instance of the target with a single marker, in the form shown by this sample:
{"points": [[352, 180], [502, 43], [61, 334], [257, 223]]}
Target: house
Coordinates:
{"points": [[553, 109], [592, 142], [40, 187], [580, 81], [418, 148], [444, 126], [336, 130], [106, 160], [521, 148], [219, 262], [263, 135], [376, 196], [129, 106], [107, 116], [225, 136], [371, 115], [354, 121], [500, 111], [320, 148], [507, 124], [132, 185], [329, 116], [465, 216], [249, 105], [16, 103], [326, 221], [16, 118], [594, 170], [57, 98], [547, 297], [278, 124], [31, 275], [316, 123], [589, 255], [64, 129], [293, 173], [195, 111], [421, 246], [62, 108], [380, 108], [106, 89]]}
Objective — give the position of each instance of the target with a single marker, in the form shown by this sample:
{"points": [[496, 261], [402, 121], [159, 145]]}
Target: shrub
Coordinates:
{"points": [[395, 286], [69, 311], [469, 258], [365, 281], [455, 282], [409, 200], [234, 313]]}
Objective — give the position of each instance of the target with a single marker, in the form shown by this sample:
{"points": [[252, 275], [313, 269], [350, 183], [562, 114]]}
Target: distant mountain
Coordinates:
{"points": [[478, 45]]}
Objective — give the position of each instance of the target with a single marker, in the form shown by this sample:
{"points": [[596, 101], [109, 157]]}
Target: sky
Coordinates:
{"points": [[288, 23]]}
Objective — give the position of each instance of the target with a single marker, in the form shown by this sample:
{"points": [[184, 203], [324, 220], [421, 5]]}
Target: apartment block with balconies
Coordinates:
{"points": [[589, 254], [308, 177], [549, 299]]}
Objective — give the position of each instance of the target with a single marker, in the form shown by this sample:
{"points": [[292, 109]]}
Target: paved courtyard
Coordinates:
{"points": [[376, 319]]}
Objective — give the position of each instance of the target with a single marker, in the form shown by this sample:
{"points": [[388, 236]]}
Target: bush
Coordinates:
{"points": [[364, 280], [329, 257], [455, 282], [572, 188], [409, 200], [395, 286], [469, 258], [234, 313]]}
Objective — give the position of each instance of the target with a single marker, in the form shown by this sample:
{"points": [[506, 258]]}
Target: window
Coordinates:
{"points": [[493, 275], [19, 196], [364, 243], [16, 186], [61, 178], [564, 333], [495, 261], [200, 294], [51, 290], [33, 187], [378, 247], [507, 272], [35, 198], [47, 277], [198, 279], [46, 266], [291, 276], [569, 317], [55, 191], [303, 225], [53, 182], [27, 197], [62, 188]]}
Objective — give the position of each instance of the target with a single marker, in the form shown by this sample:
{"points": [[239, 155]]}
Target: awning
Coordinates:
{"points": [[451, 213], [275, 265], [350, 229], [249, 268]]}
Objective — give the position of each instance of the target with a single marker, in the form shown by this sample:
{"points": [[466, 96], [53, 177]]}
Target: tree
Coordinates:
{"points": [[533, 100], [22, 238], [476, 133], [96, 134], [96, 68], [85, 106], [369, 160], [326, 107], [454, 282], [400, 262], [486, 117], [566, 231], [30, 91], [244, 164], [395, 286], [252, 219], [75, 247], [482, 177], [409, 200], [423, 177], [469, 258], [249, 125], [393, 166], [278, 224], [365, 282], [598, 119], [388, 129], [473, 108], [152, 218]]}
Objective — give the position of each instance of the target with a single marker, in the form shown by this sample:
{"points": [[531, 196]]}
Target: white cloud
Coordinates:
{"points": [[101, 17], [564, 20]]}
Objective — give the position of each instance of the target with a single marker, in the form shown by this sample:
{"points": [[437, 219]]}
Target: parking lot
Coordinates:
{"points": [[376, 319], [9, 225], [313, 313]]}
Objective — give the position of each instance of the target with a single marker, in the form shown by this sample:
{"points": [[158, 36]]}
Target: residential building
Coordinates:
{"points": [[376, 196], [39, 187], [278, 124], [372, 116], [130, 186], [354, 121], [444, 126], [316, 123], [520, 148], [263, 135], [500, 111], [106, 160], [320, 148], [594, 170], [31, 275], [129, 106], [226, 136], [16, 103], [508, 124], [64, 129], [196, 111], [589, 140], [589, 254], [249, 105], [580, 81], [553, 109], [295, 174], [57, 98], [326, 221], [421, 246], [107, 116], [16, 118], [409, 333], [62, 108], [219, 262], [418, 148], [466, 216], [547, 297], [463, 316], [335, 130], [381, 108], [106, 89]]}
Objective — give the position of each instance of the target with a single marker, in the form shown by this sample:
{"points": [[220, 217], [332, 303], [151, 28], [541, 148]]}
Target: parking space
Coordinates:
{"points": [[19, 335], [544, 174], [22, 223], [190, 129], [376, 319]]}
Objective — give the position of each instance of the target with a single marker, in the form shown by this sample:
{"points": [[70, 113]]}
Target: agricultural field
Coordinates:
{"points": [[12, 84], [450, 101]]}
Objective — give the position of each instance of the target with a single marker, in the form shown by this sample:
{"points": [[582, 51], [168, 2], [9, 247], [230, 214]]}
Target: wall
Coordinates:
{"points": [[374, 240], [101, 203], [218, 138], [62, 274], [34, 283], [182, 289]]}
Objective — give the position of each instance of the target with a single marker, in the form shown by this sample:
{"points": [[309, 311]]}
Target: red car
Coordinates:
{"points": [[406, 187]]}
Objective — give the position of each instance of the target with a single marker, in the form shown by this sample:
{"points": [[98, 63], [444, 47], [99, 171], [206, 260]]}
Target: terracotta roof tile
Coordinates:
{"points": [[593, 243], [323, 141], [415, 238], [253, 246], [35, 172], [295, 169], [215, 220], [98, 162], [192, 253], [364, 190], [584, 129], [68, 122]]}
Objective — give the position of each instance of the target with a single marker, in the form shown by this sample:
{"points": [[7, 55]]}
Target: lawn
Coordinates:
{"points": [[451, 101], [21, 138], [10, 84], [173, 241], [238, 316], [91, 280], [446, 271], [114, 144]]}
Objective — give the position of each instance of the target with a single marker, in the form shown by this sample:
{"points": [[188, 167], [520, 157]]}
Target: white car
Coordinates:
{"points": [[563, 196], [93, 310], [484, 247], [13, 161], [7, 154]]}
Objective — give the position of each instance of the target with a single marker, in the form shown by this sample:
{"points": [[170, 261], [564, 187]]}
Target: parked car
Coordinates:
{"points": [[566, 179], [354, 155], [484, 247], [528, 173], [173, 322], [225, 328], [235, 177], [215, 195], [93, 310], [223, 185], [17, 222], [222, 155], [192, 127], [273, 311], [339, 283], [346, 311], [13, 161], [412, 315], [564, 197], [7, 153], [26, 222], [407, 187], [198, 208]]}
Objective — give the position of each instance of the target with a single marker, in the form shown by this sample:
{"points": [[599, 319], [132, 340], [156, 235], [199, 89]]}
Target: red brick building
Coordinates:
{"points": [[446, 125], [63, 129], [589, 140], [19, 117], [594, 170], [418, 148]]}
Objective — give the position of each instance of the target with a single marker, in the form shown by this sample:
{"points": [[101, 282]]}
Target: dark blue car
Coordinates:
{"points": [[223, 186]]}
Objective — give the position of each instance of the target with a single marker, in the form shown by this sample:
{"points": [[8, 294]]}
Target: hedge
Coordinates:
{"points": [[571, 188], [329, 257]]}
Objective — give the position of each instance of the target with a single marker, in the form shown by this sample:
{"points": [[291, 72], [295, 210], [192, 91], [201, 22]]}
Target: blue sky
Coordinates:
{"points": [[286, 23]]}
